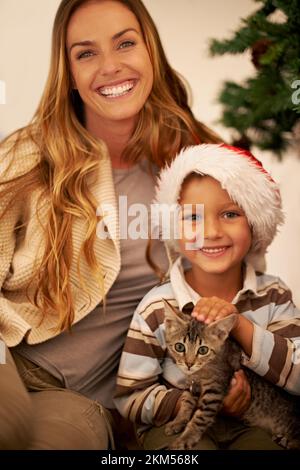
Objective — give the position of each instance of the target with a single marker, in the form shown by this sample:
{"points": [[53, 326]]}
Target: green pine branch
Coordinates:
{"points": [[261, 108], [240, 42]]}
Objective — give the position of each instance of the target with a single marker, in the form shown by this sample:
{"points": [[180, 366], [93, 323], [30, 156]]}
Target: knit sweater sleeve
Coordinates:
{"points": [[12, 165], [276, 348], [9, 217], [140, 396]]}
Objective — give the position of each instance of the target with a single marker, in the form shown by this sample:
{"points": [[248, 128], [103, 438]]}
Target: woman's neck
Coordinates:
{"points": [[116, 136], [223, 285]]}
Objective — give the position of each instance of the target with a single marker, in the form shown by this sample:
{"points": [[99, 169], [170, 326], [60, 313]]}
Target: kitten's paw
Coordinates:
{"points": [[179, 444], [289, 442], [174, 427], [293, 444]]}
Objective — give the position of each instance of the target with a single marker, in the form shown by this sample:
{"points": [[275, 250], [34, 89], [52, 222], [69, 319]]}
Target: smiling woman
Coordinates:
{"points": [[111, 69], [113, 111]]}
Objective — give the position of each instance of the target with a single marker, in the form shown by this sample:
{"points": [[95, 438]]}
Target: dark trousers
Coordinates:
{"points": [[36, 412]]}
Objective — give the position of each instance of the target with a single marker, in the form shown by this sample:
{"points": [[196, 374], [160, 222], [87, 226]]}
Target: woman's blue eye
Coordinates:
{"points": [[126, 44], [84, 55]]}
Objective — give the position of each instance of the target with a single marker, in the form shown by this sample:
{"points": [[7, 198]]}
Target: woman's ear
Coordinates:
{"points": [[73, 83]]}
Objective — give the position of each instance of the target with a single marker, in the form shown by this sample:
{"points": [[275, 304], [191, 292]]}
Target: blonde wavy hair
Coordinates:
{"points": [[69, 155]]}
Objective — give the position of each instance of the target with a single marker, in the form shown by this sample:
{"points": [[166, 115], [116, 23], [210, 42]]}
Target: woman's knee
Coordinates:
{"points": [[16, 423], [64, 420], [15, 408]]}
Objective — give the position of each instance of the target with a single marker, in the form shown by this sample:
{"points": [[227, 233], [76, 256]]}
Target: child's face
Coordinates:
{"points": [[227, 235]]}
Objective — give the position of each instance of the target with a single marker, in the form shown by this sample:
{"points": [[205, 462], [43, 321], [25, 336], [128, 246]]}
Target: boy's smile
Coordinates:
{"points": [[227, 235], [213, 252]]}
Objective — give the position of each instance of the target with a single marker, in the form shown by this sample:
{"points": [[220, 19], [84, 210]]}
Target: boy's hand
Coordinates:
{"points": [[238, 399], [210, 309]]}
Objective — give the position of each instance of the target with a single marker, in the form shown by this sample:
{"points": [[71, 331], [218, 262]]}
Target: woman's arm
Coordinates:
{"points": [[13, 194]]}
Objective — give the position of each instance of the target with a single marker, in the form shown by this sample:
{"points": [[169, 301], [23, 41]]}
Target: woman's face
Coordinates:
{"points": [[109, 62]]}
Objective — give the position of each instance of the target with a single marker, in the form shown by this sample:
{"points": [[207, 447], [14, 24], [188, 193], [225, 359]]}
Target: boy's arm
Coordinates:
{"points": [[139, 395], [275, 349]]}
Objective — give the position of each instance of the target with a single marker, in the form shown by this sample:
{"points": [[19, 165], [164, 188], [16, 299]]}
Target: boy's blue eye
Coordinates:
{"points": [[192, 217], [230, 215]]}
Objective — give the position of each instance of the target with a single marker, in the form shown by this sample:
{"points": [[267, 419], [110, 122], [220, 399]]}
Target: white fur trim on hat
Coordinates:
{"points": [[241, 175]]}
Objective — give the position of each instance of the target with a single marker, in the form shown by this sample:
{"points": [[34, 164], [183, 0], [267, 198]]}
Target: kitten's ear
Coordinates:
{"points": [[221, 328], [171, 314]]}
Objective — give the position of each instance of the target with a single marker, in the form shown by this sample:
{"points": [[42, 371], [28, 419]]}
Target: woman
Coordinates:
{"points": [[113, 111]]}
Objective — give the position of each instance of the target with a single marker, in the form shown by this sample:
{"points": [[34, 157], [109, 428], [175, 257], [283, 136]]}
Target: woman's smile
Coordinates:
{"points": [[116, 90]]}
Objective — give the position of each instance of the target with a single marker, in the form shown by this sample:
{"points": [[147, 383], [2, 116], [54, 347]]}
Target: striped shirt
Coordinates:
{"points": [[149, 383]]}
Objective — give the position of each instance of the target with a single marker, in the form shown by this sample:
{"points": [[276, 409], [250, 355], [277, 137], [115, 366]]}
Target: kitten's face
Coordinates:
{"points": [[189, 346], [191, 343]]}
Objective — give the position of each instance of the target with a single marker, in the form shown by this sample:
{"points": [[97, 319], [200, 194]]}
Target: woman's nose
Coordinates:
{"points": [[109, 64]]}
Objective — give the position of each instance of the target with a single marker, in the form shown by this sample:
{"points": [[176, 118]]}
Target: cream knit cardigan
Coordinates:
{"points": [[21, 252]]}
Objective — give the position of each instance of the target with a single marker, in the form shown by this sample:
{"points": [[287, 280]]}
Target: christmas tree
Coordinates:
{"points": [[265, 109]]}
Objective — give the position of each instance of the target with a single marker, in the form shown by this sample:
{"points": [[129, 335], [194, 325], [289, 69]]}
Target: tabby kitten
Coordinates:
{"points": [[209, 359]]}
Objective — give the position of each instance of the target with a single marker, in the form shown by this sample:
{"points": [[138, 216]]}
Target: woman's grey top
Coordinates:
{"points": [[86, 360]]}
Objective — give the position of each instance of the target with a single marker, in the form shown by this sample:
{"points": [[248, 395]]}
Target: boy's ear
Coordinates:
{"points": [[221, 328]]}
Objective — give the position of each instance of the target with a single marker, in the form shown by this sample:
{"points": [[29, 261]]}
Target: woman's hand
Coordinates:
{"points": [[238, 399], [210, 309]]}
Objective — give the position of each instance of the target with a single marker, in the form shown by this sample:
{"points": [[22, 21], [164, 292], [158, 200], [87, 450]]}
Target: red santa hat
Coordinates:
{"points": [[248, 184]]}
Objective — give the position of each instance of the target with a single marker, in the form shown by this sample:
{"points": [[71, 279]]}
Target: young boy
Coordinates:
{"points": [[242, 209]]}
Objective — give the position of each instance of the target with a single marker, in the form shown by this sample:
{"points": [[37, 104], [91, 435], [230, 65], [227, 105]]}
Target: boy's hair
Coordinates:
{"points": [[248, 184]]}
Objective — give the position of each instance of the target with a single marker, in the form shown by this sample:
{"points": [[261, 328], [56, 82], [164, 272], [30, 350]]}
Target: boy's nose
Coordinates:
{"points": [[212, 228]]}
